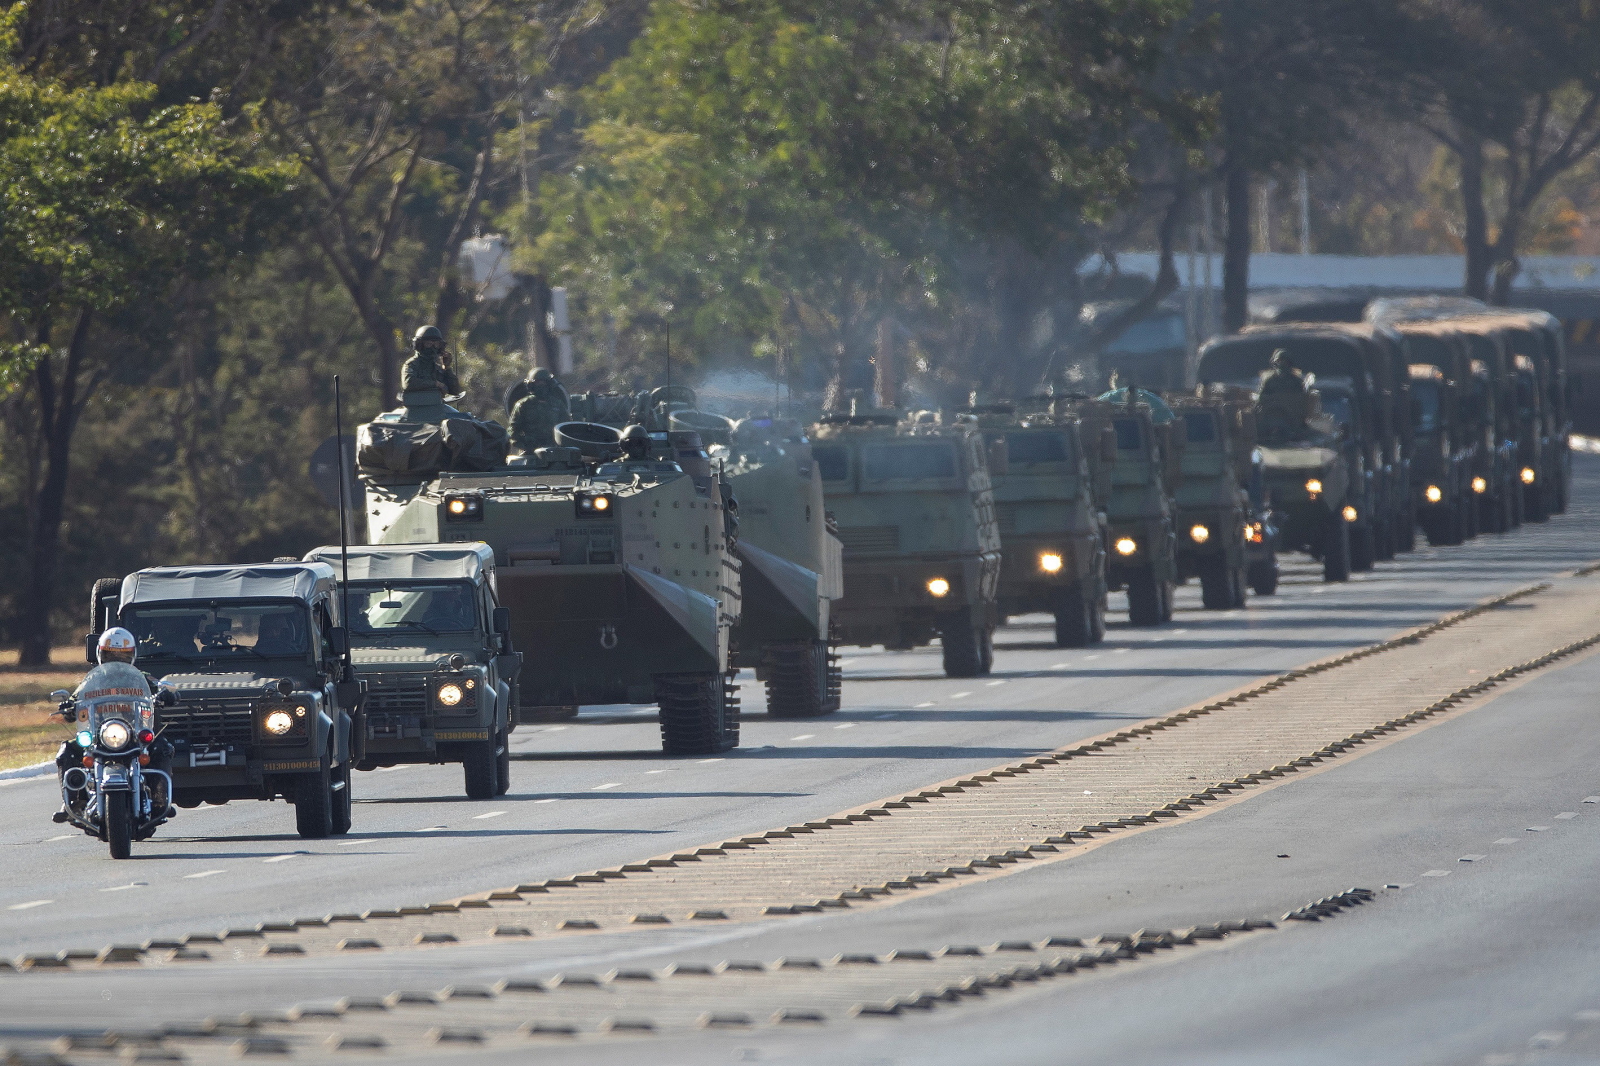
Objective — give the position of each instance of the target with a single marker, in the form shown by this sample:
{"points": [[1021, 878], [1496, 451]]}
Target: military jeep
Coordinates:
{"points": [[433, 645]]}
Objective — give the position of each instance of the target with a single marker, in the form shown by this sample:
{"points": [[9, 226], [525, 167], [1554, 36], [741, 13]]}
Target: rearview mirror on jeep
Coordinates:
{"points": [[90, 642], [502, 620], [338, 640]]}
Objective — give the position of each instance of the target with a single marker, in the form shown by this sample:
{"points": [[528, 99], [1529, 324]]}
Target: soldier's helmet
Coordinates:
{"points": [[635, 442], [428, 339], [542, 376], [116, 645], [1280, 361]]}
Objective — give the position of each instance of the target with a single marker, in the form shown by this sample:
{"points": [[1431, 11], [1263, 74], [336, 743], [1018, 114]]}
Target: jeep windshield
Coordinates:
{"points": [[1027, 447], [232, 631], [380, 610]]}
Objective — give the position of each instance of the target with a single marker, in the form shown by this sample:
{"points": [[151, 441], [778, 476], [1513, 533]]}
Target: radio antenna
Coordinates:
{"points": [[344, 529]]}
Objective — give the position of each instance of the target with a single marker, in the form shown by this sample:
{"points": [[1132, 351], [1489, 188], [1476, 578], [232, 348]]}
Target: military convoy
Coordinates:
{"points": [[916, 517], [1213, 511]]}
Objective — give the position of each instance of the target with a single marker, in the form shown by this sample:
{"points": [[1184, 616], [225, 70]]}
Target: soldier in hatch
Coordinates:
{"points": [[536, 414], [431, 367], [1283, 402]]}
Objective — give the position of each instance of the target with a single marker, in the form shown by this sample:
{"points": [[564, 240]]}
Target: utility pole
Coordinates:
{"points": [[1305, 213]]}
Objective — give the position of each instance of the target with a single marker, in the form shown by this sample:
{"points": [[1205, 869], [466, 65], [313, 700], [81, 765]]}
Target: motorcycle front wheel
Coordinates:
{"points": [[119, 823]]}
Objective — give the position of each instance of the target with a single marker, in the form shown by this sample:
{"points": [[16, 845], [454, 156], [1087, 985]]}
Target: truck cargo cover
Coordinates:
{"points": [[403, 562], [294, 581]]}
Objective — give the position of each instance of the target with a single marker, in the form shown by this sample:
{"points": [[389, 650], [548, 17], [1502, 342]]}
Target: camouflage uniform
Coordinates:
{"points": [[422, 371], [536, 415]]}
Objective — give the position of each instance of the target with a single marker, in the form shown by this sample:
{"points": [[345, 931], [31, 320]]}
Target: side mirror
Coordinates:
{"points": [[339, 640], [90, 643], [999, 457], [60, 695], [502, 620]]}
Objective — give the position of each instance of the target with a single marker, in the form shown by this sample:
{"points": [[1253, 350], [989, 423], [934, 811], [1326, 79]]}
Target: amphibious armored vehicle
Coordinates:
{"points": [[921, 545], [433, 645], [618, 571], [1212, 509]]}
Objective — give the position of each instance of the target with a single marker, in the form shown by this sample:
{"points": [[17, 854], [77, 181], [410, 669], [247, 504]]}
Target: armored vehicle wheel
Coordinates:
{"points": [[798, 681], [961, 638], [1149, 600], [342, 800], [313, 804], [1264, 578], [1516, 506], [479, 768], [1238, 586], [1406, 536], [502, 764], [1536, 508], [119, 823], [986, 650], [1362, 548], [1336, 550], [1216, 585], [1383, 540], [1097, 620], [699, 713], [1075, 613]]}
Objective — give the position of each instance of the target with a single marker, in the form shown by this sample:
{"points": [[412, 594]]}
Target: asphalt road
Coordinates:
{"points": [[1477, 962]]}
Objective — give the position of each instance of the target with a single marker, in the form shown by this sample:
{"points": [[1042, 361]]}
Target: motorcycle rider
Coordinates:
{"points": [[115, 645]]}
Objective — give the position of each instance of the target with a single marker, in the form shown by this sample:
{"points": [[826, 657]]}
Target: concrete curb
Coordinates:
{"points": [[23, 773]]}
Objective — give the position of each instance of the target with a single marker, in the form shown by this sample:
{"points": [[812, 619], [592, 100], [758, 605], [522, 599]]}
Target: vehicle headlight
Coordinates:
{"points": [[450, 694], [1433, 493], [1199, 534], [1528, 475], [1479, 485], [1350, 513], [1126, 545], [1314, 485], [938, 586], [1254, 533], [1050, 563], [278, 722], [115, 734], [85, 738], [465, 508]]}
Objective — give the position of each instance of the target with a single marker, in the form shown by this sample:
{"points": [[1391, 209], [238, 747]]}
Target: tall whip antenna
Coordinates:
{"points": [[344, 530]]}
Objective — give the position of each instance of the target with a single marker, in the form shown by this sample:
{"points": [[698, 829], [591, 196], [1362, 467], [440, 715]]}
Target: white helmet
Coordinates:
{"points": [[116, 645]]}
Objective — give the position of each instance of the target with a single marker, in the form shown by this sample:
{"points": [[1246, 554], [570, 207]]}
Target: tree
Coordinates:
{"points": [[104, 206]]}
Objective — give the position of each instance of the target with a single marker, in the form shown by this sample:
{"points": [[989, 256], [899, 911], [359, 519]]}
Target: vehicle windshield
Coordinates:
{"points": [[1151, 335], [1037, 446], [378, 610], [930, 459], [1336, 405], [1130, 438], [243, 630], [833, 462], [1426, 393], [1201, 426]]}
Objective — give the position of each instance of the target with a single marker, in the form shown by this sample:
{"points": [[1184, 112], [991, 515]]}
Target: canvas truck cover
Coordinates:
{"points": [[409, 562], [276, 581]]}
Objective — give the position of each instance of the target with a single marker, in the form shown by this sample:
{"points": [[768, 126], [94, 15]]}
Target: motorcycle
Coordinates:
{"points": [[115, 795]]}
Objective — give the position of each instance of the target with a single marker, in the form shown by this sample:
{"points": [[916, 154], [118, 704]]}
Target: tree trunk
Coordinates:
{"points": [[1476, 217], [1236, 251], [59, 404], [886, 374]]}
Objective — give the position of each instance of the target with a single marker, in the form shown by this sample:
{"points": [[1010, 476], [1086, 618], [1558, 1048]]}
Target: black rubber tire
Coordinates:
{"points": [[1263, 578], [1516, 507], [1145, 607], [1075, 611], [1536, 508], [313, 804], [1363, 548], [799, 681], [479, 769], [699, 713], [1240, 586], [1169, 600], [101, 585], [502, 764], [1336, 550], [985, 650], [119, 823], [1097, 620], [343, 799], [1216, 589], [1383, 540], [961, 642], [1405, 539]]}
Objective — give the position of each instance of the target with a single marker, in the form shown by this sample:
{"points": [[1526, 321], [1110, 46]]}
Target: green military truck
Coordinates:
{"points": [[1211, 505], [1135, 465], [1052, 531], [268, 706], [617, 567], [433, 644], [1446, 442], [792, 567], [916, 517]]}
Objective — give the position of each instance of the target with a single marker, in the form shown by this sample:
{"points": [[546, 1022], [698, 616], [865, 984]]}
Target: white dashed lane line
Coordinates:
{"points": [[608, 784], [213, 873], [28, 906], [845, 725], [487, 814]]}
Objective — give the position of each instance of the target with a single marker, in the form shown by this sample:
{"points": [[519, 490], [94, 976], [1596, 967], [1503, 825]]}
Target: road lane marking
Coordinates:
{"points": [[803, 736], [345, 844], [663, 770], [548, 799], [922, 705], [1537, 828], [1470, 858], [28, 906], [702, 762], [124, 888], [1436, 873], [1119, 651], [959, 695], [610, 784], [487, 814], [1564, 815], [845, 725], [1591, 799], [282, 858], [555, 729], [63, 836], [1091, 658], [430, 829], [1508, 840], [213, 873], [992, 684], [1060, 666]]}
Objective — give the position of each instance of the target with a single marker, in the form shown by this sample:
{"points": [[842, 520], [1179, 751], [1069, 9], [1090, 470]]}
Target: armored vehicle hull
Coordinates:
{"points": [[1212, 509], [921, 547], [619, 577]]}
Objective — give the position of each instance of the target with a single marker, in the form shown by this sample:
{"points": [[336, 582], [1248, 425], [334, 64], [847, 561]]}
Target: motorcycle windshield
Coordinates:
{"points": [[115, 690]]}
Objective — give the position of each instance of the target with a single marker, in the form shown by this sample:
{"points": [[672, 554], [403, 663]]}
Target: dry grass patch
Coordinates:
{"points": [[28, 734]]}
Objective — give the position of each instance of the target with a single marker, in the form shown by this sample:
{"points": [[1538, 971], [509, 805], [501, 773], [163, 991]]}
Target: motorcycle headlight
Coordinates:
{"points": [[115, 734], [450, 693]]}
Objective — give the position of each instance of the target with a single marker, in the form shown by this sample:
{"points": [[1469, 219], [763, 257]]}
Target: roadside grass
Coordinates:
{"points": [[28, 734]]}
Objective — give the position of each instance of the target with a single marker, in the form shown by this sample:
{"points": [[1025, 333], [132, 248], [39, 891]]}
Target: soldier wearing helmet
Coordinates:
{"points": [[431, 367], [635, 444], [541, 406]]}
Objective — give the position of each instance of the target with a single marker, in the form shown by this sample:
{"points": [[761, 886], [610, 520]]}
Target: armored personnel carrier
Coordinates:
{"points": [[1135, 465], [791, 569], [433, 645], [1052, 532], [921, 546], [267, 706], [617, 569], [1212, 503]]}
